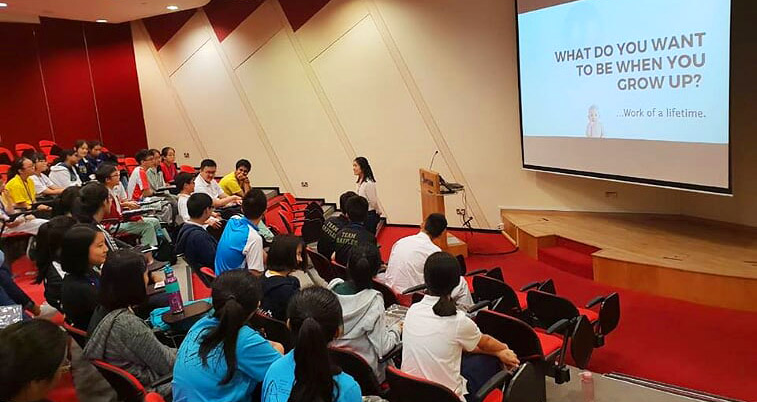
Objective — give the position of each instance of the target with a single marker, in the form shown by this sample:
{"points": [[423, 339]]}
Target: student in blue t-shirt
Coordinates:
{"points": [[306, 373], [241, 246], [222, 359]]}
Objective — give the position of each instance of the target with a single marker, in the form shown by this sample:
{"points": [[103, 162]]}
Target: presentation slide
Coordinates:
{"points": [[633, 90]]}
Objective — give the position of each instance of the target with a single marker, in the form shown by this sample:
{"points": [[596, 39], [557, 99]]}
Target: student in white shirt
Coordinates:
{"points": [[43, 186], [206, 183], [436, 334], [366, 188], [185, 182], [64, 174], [405, 267], [139, 185]]}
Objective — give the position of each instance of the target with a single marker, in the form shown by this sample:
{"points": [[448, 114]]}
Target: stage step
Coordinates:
{"points": [[568, 259]]}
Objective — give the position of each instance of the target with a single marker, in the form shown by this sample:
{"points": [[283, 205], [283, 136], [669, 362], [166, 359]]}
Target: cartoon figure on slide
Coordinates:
{"points": [[594, 129]]}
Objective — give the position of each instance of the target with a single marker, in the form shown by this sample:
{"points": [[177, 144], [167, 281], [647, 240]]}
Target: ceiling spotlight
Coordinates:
{"points": [[173, 8], [102, 21], [3, 5]]}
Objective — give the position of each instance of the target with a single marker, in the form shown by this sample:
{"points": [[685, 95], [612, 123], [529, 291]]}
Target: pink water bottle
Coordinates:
{"points": [[173, 291]]}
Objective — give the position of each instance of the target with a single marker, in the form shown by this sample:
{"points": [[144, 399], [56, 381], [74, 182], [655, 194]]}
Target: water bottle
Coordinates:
{"points": [[173, 291], [587, 386]]}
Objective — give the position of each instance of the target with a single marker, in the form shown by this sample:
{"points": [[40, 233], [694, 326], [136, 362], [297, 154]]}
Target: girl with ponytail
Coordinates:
{"points": [[365, 331], [222, 359], [306, 374], [436, 334]]}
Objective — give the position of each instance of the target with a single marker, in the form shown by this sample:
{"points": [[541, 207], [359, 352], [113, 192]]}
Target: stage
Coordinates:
{"points": [[687, 258]]}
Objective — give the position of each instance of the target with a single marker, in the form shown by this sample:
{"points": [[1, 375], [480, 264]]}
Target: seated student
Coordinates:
{"points": [[241, 246], [409, 254], [64, 173], [205, 183], [11, 293], [147, 227], [47, 257], [365, 331], [21, 191], [96, 156], [84, 248], [28, 224], [278, 285], [154, 175], [43, 186], [197, 245], [33, 354], [168, 166], [332, 225], [185, 183], [307, 373], [353, 233], [237, 182], [436, 334], [139, 185], [222, 359], [83, 165], [64, 204], [304, 271], [90, 207], [120, 337]]}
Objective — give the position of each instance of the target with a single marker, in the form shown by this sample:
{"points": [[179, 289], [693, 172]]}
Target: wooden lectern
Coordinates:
{"points": [[432, 201]]}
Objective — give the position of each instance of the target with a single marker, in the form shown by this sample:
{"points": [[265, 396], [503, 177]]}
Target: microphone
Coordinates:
{"points": [[432, 159]]}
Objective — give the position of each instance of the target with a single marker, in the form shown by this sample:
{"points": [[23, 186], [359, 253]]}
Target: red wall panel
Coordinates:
{"points": [[226, 15], [298, 12], [114, 74], [67, 80], [163, 27], [23, 112]]}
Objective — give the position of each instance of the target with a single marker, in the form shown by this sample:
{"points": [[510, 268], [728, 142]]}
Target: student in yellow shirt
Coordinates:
{"points": [[20, 187], [237, 182]]}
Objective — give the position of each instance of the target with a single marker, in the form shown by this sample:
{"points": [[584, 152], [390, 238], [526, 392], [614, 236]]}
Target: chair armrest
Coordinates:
{"points": [[162, 380], [496, 381], [414, 289], [392, 353], [478, 306], [593, 302], [558, 326], [476, 272], [529, 286]]}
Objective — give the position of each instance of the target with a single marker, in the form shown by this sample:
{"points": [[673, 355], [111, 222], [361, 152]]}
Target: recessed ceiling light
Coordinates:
{"points": [[173, 8], [3, 4], [101, 21]]}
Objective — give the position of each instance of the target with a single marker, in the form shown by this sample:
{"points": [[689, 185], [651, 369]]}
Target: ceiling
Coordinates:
{"points": [[114, 11]]}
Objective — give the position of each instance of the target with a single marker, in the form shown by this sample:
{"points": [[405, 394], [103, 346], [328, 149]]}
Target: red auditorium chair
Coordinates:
{"points": [[272, 329], [389, 295], [6, 156], [4, 170], [520, 387], [21, 147], [154, 397], [354, 365], [127, 387], [545, 349], [79, 336], [321, 264], [292, 202], [49, 147], [187, 169], [549, 309], [130, 164], [51, 159]]}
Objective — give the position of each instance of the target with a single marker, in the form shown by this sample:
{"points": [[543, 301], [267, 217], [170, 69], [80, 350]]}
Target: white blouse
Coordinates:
{"points": [[367, 189]]}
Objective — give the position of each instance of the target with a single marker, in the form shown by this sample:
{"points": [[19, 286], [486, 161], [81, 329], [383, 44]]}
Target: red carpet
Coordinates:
{"points": [[685, 344]]}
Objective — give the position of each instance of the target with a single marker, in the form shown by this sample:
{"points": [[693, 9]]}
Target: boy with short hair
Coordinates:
{"points": [[205, 183], [241, 246], [237, 182], [197, 245]]}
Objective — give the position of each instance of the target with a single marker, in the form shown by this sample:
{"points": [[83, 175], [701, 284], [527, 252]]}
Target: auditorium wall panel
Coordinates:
{"points": [[216, 111], [397, 80], [293, 118], [51, 74]]}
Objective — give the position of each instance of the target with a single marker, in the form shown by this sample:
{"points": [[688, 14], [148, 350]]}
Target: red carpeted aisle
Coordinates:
{"points": [[690, 345]]}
